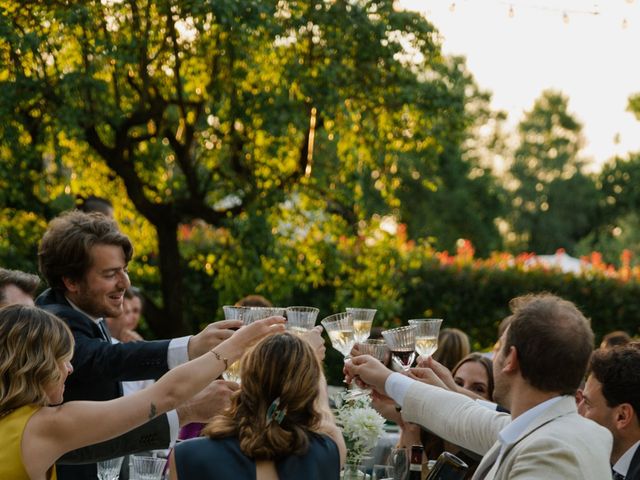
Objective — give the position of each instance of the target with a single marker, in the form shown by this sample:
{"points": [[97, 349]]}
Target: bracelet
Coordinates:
{"points": [[221, 358]]}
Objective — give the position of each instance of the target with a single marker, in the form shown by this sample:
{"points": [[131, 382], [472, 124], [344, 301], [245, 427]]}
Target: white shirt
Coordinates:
{"points": [[177, 354], [624, 462], [509, 434]]}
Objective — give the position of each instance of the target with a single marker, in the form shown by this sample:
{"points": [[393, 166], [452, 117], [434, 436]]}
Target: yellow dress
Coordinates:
{"points": [[11, 430]]}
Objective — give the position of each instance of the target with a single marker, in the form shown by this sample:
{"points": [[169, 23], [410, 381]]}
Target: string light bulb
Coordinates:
{"points": [[512, 12], [625, 24], [452, 7], [565, 17]]}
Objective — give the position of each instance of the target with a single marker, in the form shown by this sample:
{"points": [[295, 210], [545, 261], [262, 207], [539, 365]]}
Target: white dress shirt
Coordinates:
{"points": [[177, 354], [624, 462]]}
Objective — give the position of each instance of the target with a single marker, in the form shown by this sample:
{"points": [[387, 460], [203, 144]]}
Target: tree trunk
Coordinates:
{"points": [[168, 321]]}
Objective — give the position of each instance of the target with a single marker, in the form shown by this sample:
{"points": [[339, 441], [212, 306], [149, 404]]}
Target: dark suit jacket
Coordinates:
{"points": [[99, 367], [634, 469]]}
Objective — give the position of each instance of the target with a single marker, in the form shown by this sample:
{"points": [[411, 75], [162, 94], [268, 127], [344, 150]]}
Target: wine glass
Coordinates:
{"points": [[339, 327], [233, 312], [301, 319], [427, 330], [110, 469], [402, 343], [362, 321], [377, 348], [258, 313]]}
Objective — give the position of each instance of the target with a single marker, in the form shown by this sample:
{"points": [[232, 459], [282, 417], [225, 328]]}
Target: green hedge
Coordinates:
{"points": [[475, 299]]}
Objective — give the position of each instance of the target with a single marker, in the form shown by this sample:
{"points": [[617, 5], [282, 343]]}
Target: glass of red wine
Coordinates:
{"points": [[402, 343]]}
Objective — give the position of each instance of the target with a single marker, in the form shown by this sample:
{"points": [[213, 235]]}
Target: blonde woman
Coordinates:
{"points": [[35, 353], [279, 426]]}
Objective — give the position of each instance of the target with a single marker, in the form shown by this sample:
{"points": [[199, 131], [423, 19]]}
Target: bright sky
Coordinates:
{"points": [[592, 59]]}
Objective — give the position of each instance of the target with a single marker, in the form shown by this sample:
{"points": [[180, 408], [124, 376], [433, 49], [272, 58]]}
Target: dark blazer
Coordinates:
{"points": [[634, 468], [98, 368]]}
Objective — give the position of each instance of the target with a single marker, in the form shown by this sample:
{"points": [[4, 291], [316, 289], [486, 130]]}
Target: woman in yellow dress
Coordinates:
{"points": [[36, 428]]}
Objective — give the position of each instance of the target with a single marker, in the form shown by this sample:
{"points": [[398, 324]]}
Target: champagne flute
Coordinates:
{"points": [[402, 343], [362, 321], [427, 330], [301, 319]]}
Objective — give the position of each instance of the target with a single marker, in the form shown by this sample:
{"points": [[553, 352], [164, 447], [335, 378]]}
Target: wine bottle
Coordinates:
{"points": [[415, 467]]}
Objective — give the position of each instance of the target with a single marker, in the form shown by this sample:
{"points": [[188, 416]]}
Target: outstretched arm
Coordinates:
{"points": [[54, 431]]}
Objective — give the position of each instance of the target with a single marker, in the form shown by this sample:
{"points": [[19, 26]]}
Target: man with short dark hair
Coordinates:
{"points": [[17, 287], [612, 398], [84, 259], [542, 359]]}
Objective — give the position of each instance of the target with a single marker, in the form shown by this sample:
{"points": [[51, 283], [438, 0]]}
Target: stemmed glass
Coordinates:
{"points": [[247, 315], [402, 343], [339, 327], [110, 469], [301, 319], [377, 348], [427, 330], [362, 321], [258, 313]]}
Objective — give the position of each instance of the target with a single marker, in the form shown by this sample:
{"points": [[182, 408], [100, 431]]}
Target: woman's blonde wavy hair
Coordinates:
{"points": [[280, 366], [32, 344]]}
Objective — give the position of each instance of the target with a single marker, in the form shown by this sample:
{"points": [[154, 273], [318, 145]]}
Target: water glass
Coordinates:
{"points": [[382, 472], [301, 319], [110, 469], [427, 330], [399, 460], [147, 468]]}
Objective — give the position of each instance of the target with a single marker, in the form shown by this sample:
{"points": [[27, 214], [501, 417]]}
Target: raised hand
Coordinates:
{"points": [[211, 336], [368, 370]]}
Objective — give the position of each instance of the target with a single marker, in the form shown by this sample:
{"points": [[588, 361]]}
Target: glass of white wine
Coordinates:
{"points": [[362, 321], [339, 327], [301, 319], [427, 330]]}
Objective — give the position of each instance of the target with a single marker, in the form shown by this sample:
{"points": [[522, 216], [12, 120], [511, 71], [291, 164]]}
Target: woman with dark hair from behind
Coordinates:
{"points": [[279, 426]]}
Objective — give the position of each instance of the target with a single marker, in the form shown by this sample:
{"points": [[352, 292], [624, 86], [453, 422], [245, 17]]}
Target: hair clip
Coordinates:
{"points": [[273, 413]]}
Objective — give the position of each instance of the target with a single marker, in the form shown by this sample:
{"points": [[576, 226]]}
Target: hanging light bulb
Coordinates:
{"points": [[452, 7], [512, 12], [625, 24], [565, 17]]}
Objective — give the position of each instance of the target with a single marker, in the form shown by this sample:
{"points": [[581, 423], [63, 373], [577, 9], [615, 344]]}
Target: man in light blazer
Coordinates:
{"points": [[611, 397], [537, 370]]}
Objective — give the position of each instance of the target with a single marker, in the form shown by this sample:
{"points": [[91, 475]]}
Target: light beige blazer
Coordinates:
{"points": [[558, 445]]}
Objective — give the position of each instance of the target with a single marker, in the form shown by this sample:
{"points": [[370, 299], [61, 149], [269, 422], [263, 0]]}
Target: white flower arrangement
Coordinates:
{"points": [[361, 425]]}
